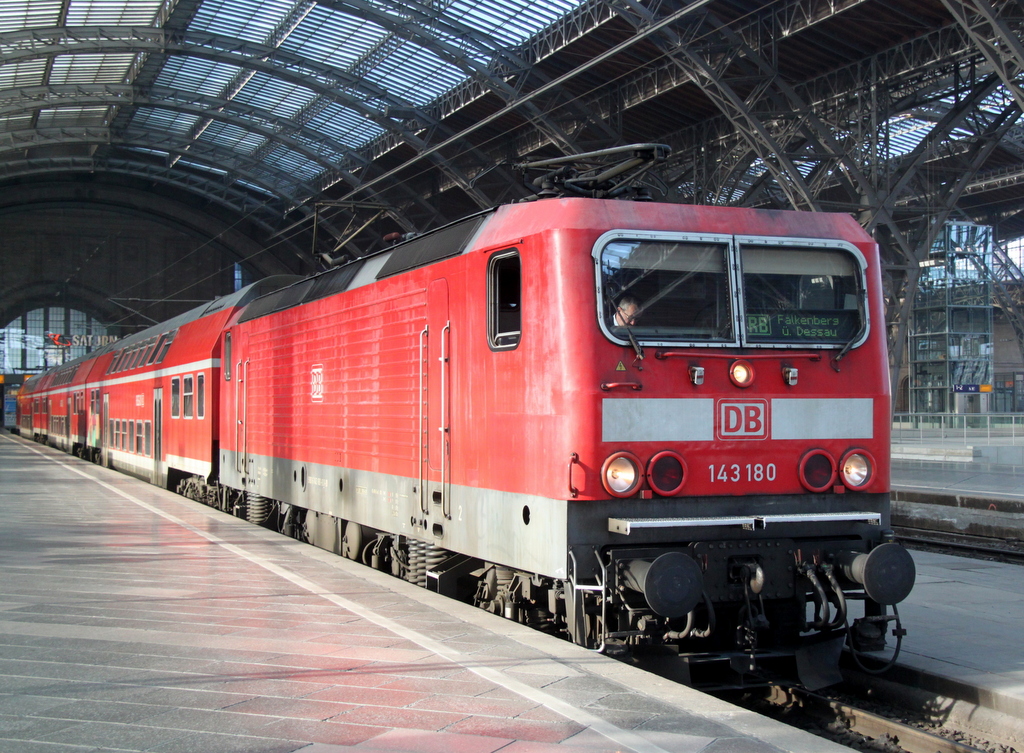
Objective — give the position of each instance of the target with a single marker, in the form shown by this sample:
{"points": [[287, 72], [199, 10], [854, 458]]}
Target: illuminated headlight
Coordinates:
{"points": [[621, 474], [741, 373], [856, 469]]}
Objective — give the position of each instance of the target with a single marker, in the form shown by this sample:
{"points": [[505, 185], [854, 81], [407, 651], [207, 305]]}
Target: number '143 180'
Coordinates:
{"points": [[736, 472]]}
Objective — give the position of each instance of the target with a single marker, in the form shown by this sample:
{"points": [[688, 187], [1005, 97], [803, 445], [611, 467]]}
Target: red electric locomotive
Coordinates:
{"points": [[637, 423]]}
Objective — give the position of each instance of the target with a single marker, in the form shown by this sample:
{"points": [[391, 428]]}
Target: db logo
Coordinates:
{"points": [[742, 420], [316, 383]]}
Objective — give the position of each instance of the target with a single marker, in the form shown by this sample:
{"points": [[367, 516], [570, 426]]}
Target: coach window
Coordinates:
{"points": [[151, 356], [186, 396], [504, 300], [175, 397], [150, 350], [201, 395], [801, 295], [165, 346], [136, 356], [227, 357], [131, 436], [113, 362], [149, 430]]}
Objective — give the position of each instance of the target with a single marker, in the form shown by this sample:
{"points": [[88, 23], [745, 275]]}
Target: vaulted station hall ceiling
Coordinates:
{"points": [[310, 129]]}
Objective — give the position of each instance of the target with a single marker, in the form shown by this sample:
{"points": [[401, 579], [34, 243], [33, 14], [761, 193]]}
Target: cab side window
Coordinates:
{"points": [[504, 300]]}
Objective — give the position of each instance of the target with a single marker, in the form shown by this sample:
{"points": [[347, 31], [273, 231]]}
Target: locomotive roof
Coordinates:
{"points": [[442, 243], [456, 237]]}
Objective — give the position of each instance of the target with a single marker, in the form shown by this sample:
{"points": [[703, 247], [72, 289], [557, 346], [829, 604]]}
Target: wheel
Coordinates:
{"points": [[352, 541]]}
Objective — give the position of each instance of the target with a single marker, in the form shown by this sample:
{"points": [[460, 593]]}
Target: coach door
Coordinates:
{"points": [[438, 339], [106, 435], [240, 367], [159, 467]]}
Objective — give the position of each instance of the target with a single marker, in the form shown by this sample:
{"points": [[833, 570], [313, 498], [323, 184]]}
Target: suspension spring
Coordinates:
{"points": [[434, 556], [417, 572], [257, 508]]}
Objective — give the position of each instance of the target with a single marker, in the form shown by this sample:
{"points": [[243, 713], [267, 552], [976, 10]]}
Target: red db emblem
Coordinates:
{"points": [[316, 383], [742, 419]]}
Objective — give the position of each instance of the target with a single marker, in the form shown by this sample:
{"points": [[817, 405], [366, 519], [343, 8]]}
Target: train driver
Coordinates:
{"points": [[626, 312]]}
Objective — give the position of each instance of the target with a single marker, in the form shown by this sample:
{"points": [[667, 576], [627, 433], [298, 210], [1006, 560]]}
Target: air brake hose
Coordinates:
{"points": [[820, 599], [898, 632], [706, 632], [840, 602]]}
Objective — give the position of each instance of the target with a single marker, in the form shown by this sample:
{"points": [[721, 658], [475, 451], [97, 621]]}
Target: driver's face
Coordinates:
{"points": [[626, 315]]}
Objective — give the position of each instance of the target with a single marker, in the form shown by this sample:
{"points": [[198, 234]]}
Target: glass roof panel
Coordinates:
{"points": [[251, 20], [15, 123], [144, 150], [164, 121], [338, 39], [22, 14], [197, 75], [510, 22], [325, 152], [112, 12], [91, 69], [253, 187], [232, 137], [345, 126], [201, 167], [25, 73], [292, 163], [72, 116], [415, 75], [282, 98]]}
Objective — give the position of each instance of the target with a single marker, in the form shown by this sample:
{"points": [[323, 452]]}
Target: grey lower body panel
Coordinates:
{"points": [[536, 534], [520, 531]]}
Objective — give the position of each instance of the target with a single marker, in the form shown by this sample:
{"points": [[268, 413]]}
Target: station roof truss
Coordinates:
{"points": [[375, 116]]}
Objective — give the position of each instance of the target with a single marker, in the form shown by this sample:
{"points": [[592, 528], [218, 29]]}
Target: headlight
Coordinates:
{"points": [[741, 373], [666, 473], [856, 469], [817, 471], [621, 474]]}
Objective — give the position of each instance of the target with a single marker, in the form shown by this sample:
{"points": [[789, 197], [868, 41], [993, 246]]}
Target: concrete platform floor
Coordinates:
{"points": [[132, 619]]}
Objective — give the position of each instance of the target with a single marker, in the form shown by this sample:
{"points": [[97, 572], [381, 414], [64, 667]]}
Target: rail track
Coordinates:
{"points": [[1001, 550], [847, 723]]}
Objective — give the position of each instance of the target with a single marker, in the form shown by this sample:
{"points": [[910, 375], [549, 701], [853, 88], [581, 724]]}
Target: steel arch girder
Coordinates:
{"points": [[274, 62], [1001, 46], [492, 77], [248, 117]]}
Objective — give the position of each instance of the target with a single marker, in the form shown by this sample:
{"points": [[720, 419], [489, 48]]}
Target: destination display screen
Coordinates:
{"points": [[803, 326]]}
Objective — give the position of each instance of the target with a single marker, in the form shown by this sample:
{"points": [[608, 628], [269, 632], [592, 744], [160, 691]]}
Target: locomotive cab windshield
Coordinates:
{"points": [[725, 290]]}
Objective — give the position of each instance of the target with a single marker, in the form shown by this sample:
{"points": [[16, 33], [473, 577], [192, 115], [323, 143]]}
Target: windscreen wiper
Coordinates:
{"points": [[849, 344], [636, 346]]}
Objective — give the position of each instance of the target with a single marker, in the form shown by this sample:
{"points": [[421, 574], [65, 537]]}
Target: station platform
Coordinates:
{"points": [[984, 471], [132, 619], [964, 615], [959, 488]]}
